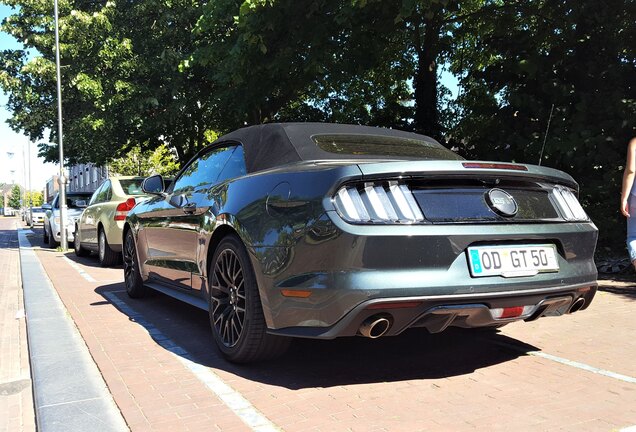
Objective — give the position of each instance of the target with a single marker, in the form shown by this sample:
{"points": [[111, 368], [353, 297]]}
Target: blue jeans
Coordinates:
{"points": [[631, 228]]}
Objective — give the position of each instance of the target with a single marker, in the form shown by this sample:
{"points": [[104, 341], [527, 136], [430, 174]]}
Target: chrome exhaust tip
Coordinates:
{"points": [[577, 305], [375, 326]]}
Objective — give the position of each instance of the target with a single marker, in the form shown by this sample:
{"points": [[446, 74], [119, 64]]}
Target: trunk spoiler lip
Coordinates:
{"points": [[427, 168]]}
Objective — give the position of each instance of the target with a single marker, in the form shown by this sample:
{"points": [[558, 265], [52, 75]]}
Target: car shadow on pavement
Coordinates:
{"points": [[89, 261], [623, 285], [415, 354]]}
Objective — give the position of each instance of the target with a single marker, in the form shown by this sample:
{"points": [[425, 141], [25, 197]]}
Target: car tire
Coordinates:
{"points": [[132, 277], [77, 245], [45, 235], [52, 242], [235, 310], [107, 256]]}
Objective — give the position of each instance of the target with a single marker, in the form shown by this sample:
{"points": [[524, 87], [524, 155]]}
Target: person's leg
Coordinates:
{"points": [[631, 231], [631, 247]]}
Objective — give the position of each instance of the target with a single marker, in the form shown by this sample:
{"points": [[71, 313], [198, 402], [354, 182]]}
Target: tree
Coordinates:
{"points": [[122, 87], [16, 197], [33, 198], [160, 161], [359, 61], [568, 64]]}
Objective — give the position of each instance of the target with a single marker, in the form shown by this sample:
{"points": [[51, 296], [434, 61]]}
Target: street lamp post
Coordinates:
{"points": [[62, 178]]}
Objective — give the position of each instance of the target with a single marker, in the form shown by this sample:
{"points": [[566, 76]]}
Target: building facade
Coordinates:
{"points": [[86, 177], [50, 189]]}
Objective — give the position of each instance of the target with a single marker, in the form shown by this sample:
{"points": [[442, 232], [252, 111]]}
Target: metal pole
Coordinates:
{"points": [[62, 178], [29, 182]]}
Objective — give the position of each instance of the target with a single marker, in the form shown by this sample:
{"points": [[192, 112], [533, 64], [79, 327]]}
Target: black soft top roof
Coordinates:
{"points": [[274, 144]]}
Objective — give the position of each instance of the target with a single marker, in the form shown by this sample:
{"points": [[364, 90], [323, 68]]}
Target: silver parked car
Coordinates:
{"points": [[36, 215], [75, 203]]}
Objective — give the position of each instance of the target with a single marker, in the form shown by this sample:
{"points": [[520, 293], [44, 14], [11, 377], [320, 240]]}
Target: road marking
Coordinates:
{"points": [[251, 416], [629, 429], [79, 270], [571, 363]]}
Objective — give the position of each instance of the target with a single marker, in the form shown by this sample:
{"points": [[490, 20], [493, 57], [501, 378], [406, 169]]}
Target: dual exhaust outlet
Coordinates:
{"points": [[377, 325]]}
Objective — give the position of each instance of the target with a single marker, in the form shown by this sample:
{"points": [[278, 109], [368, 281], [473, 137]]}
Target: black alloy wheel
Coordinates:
{"points": [[132, 276], [228, 298], [235, 310], [77, 245]]}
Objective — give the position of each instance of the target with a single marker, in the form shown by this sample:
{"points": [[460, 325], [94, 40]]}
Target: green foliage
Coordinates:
{"points": [[15, 197], [137, 163], [32, 198], [577, 57], [151, 73], [120, 74]]}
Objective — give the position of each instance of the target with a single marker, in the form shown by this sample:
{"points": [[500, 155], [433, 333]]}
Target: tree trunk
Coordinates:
{"points": [[425, 79]]}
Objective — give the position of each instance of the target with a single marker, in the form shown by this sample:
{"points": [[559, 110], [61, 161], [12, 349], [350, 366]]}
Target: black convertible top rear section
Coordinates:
{"points": [[274, 144]]}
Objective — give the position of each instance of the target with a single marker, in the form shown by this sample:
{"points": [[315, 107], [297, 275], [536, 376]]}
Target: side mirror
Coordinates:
{"points": [[80, 203], [153, 185]]}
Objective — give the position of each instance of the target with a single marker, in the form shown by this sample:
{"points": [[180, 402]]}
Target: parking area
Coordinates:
{"points": [[159, 362]]}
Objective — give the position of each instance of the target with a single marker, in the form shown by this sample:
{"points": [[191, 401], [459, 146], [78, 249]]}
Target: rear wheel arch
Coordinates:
{"points": [[217, 237], [235, 306]]}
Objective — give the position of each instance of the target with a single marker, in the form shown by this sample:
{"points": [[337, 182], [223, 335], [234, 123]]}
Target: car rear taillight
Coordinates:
{"points": [[568, 204], [123, 208], [377, 202]]}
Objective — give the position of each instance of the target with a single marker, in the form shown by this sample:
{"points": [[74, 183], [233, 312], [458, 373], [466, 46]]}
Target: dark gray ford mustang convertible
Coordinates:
{"points": [[323, 230]]}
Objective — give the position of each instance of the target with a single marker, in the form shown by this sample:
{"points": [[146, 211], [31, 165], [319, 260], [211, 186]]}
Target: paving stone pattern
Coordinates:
{"points": [[455, 381], [16, 398]]}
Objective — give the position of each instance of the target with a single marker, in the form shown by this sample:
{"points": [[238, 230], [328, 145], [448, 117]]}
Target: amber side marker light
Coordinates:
{"points": [[295, 293], [494, 166]]}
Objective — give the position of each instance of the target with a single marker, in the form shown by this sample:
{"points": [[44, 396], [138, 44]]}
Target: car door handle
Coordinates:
{"points": [[189, 208]]}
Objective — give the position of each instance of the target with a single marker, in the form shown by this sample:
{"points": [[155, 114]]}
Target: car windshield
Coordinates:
{"points": [[132, 186], [376, 145], [37, 210]]}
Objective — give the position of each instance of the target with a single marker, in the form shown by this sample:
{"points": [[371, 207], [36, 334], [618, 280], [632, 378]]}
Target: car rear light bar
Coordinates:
{"points": [[489, 165], [568, 204], [123, 208], [377, 202]]}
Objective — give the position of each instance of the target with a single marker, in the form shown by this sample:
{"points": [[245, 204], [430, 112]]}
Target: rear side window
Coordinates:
{"points": [[103, 194], [203, 171], [235, 165], [382, 146]]}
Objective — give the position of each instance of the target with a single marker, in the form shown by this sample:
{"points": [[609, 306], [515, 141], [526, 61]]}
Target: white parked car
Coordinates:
{"points": [[75, 203], [34, 216]]}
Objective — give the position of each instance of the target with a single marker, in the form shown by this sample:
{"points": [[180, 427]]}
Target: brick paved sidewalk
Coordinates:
{"points": [[16, 397], [457, 381], [152, 388]]}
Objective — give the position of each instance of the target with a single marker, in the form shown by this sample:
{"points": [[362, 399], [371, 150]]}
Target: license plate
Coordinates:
{"points": [[512, 261]]}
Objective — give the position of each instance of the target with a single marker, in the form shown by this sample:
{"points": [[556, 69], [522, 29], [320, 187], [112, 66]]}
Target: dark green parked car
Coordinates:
{"points": [[323, 230]]}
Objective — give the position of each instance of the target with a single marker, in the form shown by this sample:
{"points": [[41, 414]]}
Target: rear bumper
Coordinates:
{"points": [[437, 313], [345, 268]]}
